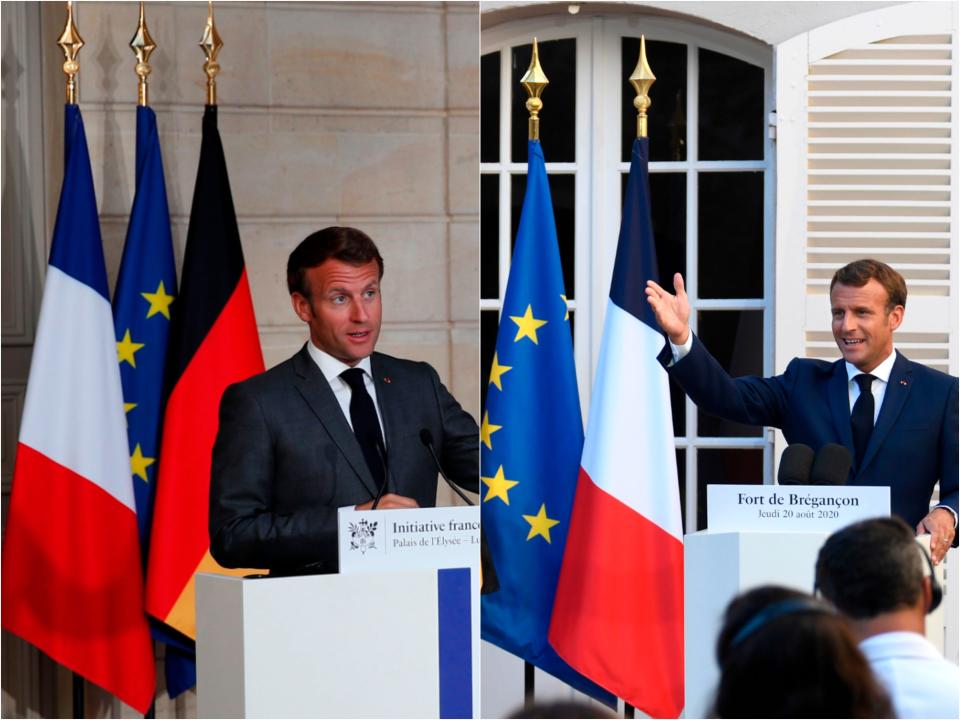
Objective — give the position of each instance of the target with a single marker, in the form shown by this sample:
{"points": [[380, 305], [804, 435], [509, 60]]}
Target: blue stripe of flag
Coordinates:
{"points": [[636, 259], [80, 257]]}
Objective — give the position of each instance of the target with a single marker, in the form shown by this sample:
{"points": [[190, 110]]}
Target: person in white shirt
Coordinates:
{"points": [[877, 575]]}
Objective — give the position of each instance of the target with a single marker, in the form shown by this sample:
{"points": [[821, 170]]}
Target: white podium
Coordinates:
{"points": [[720, 565], [394, 635]]}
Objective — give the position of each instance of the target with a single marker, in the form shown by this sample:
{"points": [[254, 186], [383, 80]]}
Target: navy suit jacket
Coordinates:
{"points": [[914, 441]]}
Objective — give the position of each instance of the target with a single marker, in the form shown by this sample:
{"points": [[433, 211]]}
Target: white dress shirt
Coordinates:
{"points": [[331, 369], [920, 681], [878, 387]]}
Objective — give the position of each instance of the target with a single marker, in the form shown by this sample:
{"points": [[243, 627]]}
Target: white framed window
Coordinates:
{"points": [[712, 187]]}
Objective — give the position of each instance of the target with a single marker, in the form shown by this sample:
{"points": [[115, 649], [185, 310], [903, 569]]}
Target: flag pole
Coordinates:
{"points": [[533, 81], [641, 79], [70, 42], [211, 43], [142, 45]]}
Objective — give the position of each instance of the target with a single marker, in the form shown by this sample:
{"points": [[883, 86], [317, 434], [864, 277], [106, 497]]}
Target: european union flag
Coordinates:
{"points": [[532, 435], [146, 288]]}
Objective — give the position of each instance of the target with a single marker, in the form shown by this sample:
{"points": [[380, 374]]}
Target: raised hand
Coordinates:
{"points": [[672, 311]]}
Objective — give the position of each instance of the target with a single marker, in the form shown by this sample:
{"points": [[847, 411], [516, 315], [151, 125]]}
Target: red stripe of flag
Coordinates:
{"points": [[633, 587], [67, 588]]}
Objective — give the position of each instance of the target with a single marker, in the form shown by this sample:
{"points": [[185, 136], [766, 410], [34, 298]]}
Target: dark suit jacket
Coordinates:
{"points": [[914, 442], [286, 459]]}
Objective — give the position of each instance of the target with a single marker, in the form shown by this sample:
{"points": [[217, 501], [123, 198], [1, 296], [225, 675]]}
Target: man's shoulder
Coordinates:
{"points": [[813, 366], [397, 366], [929, 374], [279, 376]]}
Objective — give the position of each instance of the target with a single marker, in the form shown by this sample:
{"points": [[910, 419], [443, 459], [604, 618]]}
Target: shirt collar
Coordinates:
{"points": [[880, 372], [330, 366], [897, 644]]}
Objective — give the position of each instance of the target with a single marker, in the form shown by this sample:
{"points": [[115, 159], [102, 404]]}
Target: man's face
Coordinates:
{"points": [[343, 310], [862, 326]]}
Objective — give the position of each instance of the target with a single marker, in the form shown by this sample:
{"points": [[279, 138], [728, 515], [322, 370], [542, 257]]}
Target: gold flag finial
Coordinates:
{"points": [[211, 43], [70, 42], [641, 79], [142, 45], [534, 81]]}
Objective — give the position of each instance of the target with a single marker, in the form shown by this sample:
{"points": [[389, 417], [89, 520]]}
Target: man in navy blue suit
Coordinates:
{"points": [[898, 418]]}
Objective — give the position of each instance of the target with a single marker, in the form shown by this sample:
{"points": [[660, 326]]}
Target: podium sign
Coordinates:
{"points": [[792, 508], [378, 540], [447, 540]]}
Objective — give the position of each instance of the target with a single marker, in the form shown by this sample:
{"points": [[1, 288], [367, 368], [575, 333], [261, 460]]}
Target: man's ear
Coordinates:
{"points": [[927, 593], [895, 317], [301, 306]]}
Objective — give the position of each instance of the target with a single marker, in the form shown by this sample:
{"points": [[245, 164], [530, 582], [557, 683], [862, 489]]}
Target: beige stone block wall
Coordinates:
{"points": [[331, 113], [349, 113]]}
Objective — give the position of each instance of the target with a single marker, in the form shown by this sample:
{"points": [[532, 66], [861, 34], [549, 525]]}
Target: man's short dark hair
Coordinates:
{"points": [[346, 244], [870, 568], [860, 272]]}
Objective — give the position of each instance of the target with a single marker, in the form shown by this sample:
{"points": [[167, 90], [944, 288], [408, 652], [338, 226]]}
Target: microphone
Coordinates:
{"points": [[426, 437], [831, 466], [795, 465], [374, 439]]}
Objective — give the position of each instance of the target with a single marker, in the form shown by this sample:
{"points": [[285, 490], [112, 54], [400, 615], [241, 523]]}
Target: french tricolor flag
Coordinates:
{"points": [[72, 577], [618, 613]]}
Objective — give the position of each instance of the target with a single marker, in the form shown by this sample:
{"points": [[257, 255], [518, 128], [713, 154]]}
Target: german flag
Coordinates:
{"points": [[213, 343]]}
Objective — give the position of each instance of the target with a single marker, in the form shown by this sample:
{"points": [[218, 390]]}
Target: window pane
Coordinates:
{"points": [[488, 344], [735, 338], [489, 231], [667, 115], [668, 211], [725, 467], [558, 58], [731, 108], [490, 107], [562, 194], [730, 248]]}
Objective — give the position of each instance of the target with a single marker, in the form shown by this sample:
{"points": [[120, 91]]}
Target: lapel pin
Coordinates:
{"points": [[387, 380], [903, 382]]}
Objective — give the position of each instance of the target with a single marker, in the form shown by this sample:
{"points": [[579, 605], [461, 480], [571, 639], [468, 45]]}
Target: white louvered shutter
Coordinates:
{"points": [[873, 139]]}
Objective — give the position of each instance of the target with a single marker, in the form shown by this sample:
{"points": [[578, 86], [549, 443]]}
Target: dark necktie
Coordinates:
{"points": [[861, 417], [363, 417]]}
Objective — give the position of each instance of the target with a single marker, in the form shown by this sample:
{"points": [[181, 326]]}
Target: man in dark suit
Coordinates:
{"points": [[332, 425], [898, 418]]}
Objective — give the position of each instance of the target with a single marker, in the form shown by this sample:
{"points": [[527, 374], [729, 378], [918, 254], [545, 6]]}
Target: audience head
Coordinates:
{"points": [[783, 653], [872, 568]]}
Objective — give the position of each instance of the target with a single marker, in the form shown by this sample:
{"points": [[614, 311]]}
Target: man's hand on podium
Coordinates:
{"points": [[939, 523], [391, 501]]}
